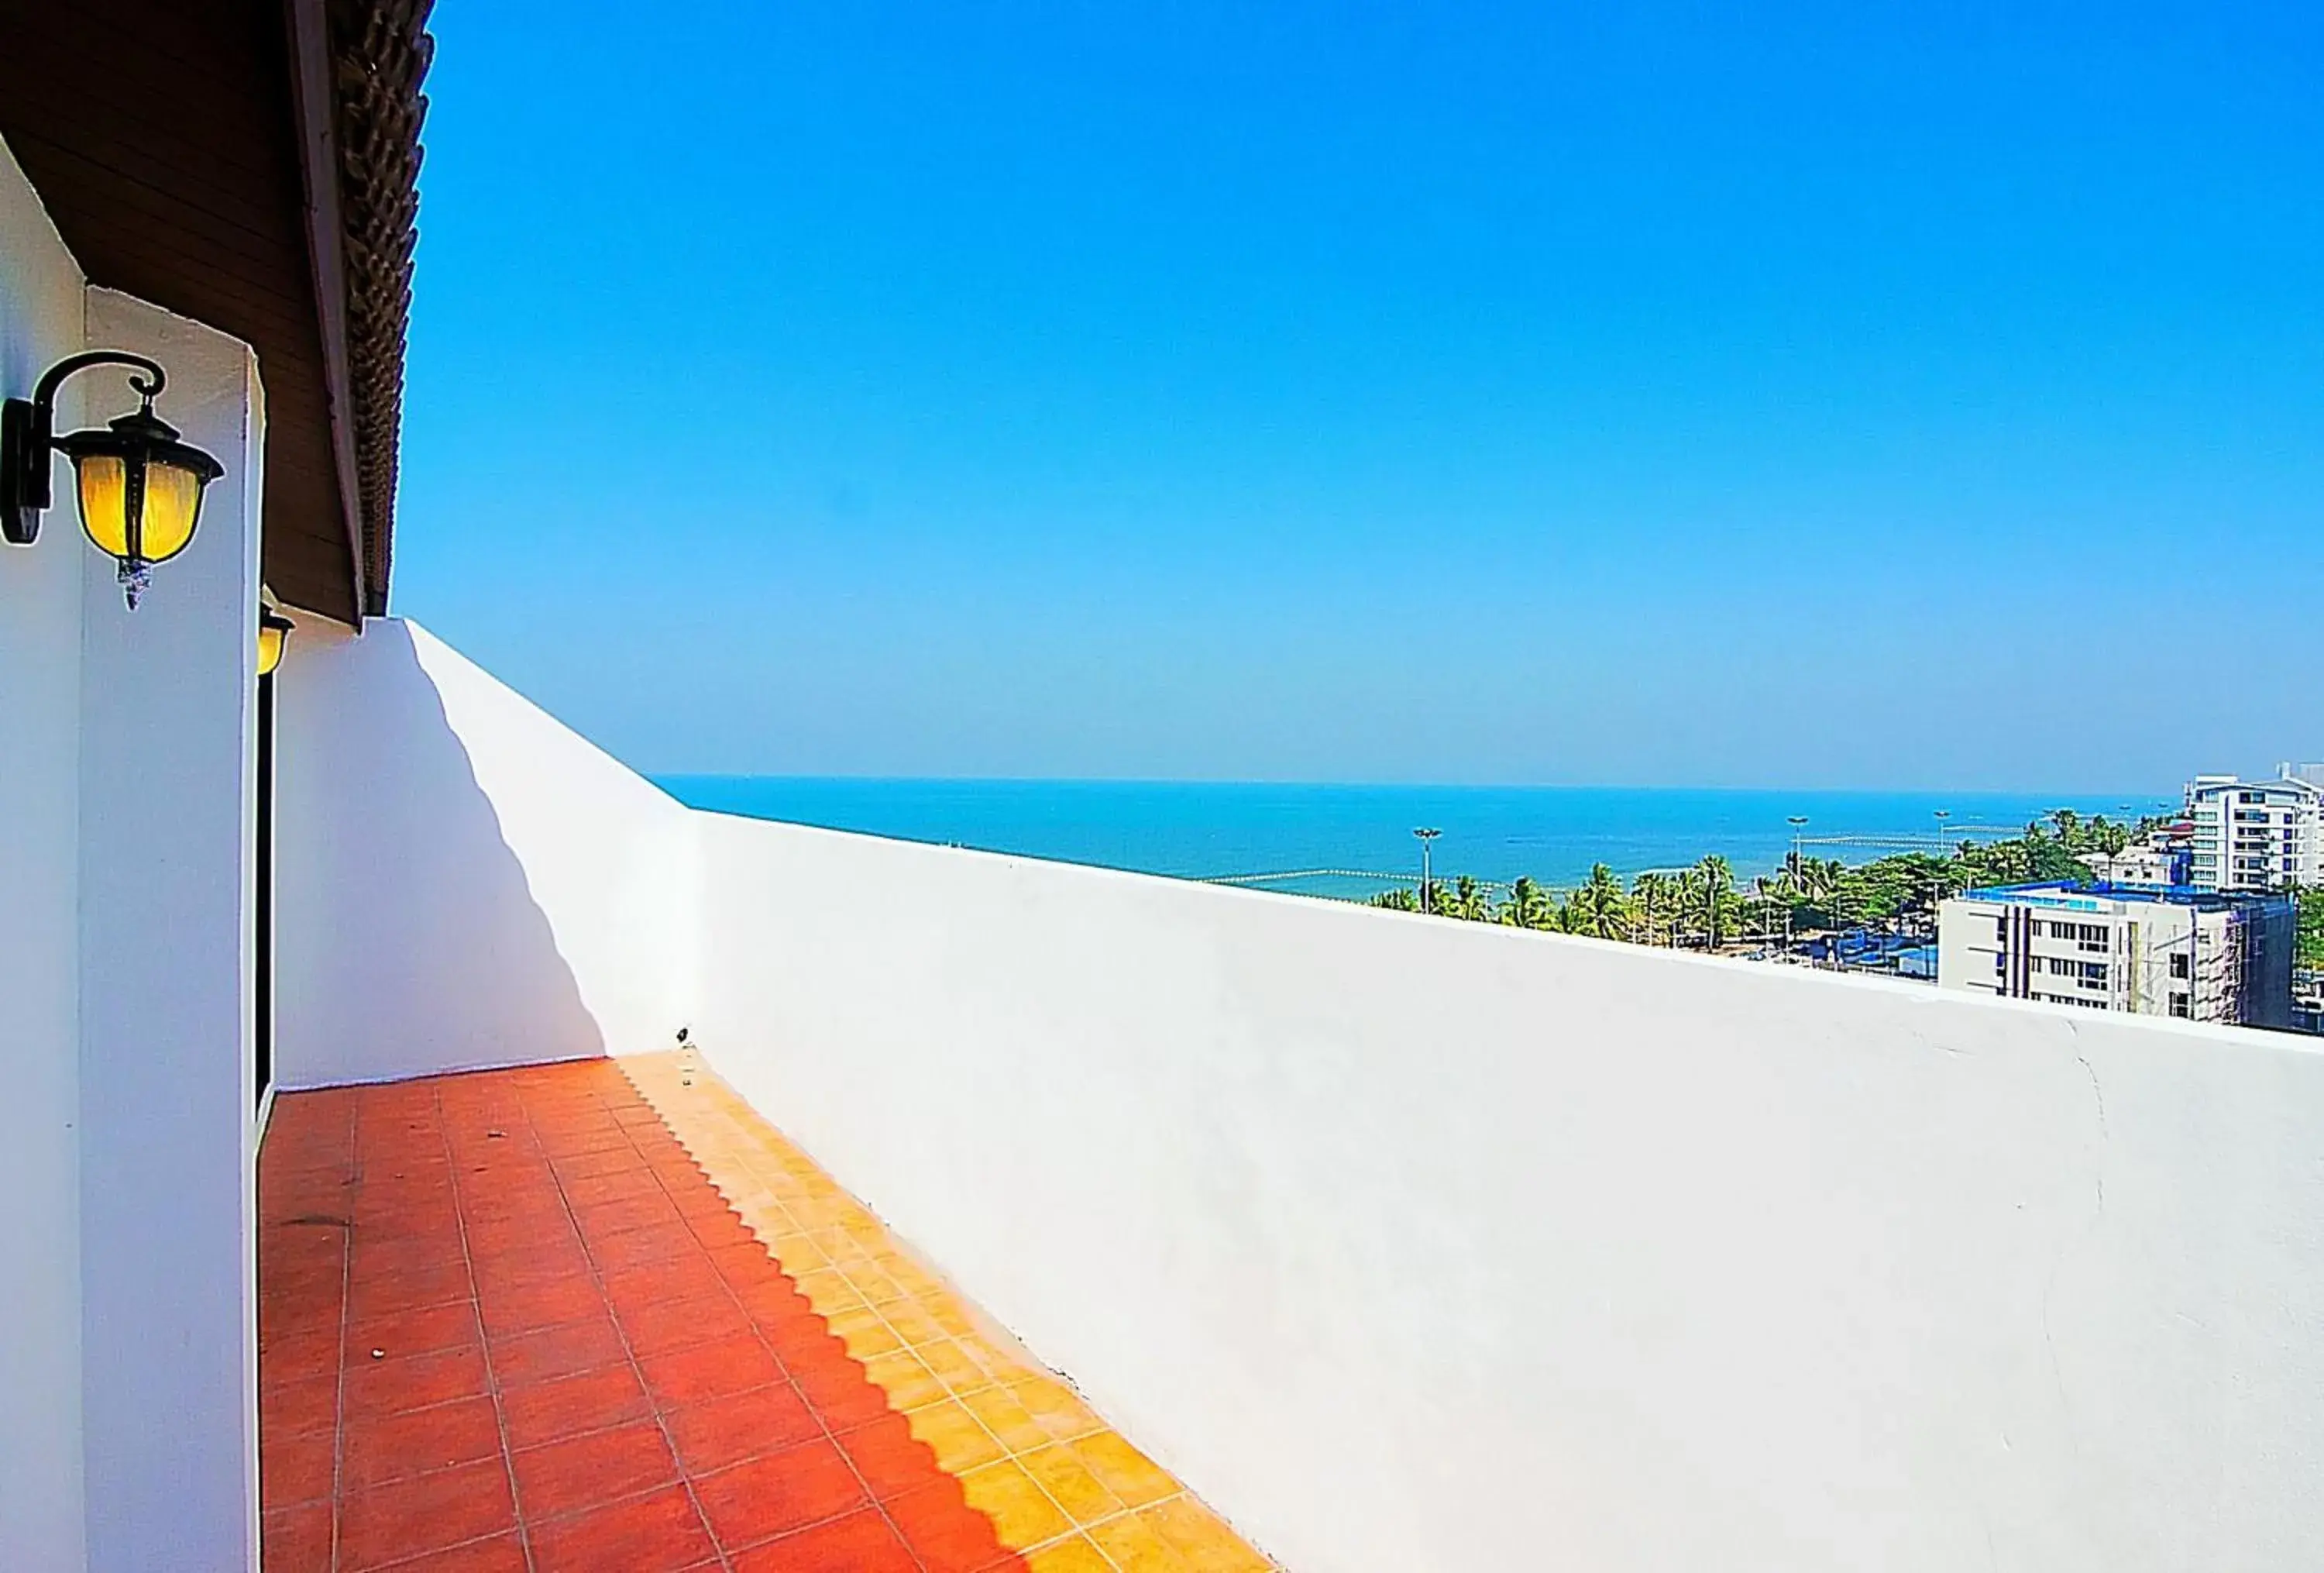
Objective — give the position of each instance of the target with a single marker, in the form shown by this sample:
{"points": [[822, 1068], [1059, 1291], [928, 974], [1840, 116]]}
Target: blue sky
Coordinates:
{"points": [[1840, 395]]}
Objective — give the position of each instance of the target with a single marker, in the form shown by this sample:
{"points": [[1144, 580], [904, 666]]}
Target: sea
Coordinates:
{"points": [[1350, 842]]}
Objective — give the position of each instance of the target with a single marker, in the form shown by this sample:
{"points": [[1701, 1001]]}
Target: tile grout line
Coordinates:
{"points": [[629, 1352], [757, 1333], [484, 1343]]}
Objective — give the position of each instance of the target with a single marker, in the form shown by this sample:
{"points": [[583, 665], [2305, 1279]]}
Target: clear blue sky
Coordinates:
{"points": [[1849, 395]]}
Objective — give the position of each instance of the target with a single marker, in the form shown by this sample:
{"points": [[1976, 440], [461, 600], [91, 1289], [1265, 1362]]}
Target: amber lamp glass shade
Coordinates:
{"points": [[142, 513], [141, 489], [274, 629]]}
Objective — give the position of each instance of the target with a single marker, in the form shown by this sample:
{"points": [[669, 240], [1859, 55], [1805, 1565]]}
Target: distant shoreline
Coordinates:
{"points": [[1237, 830]]}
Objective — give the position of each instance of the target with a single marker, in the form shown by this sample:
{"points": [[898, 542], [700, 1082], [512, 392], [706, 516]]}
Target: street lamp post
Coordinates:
{"points": [[1799, 881], [1427, 840], [1944, 851]]}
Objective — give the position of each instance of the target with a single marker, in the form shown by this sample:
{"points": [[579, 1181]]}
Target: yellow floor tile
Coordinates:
{"points": [[1201, 1538], [1070, 1483], [1061, 1415], [1006, 1419], [1125, 1471], [957, 1437], [865, 1334], [908, 1383], [1022, 1513], [1074, 1556], [952, 1365], [912, 1323], [1134, 1547]]}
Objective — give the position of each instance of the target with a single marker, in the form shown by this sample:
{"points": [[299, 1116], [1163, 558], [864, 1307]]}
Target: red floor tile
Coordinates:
{"points": [[638, 1248], [581, 1472], [551, 1302], [679, 1323], [886, 1456], [379, 1452], [778, 1494], [709, 1371], [297, 1468], [550, 1411], [658, 1533], [287, 1409], [549, 1353], [732, 1431], [424, 1514], [415, 1332], [945, 1533], [607, 1391], [500, 1554], [406, 1381], [860, 1543], [635, 1289], [296, 1539]]}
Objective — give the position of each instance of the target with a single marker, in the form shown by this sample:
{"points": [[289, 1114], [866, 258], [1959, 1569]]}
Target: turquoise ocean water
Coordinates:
{"points": [[1208, 830]]}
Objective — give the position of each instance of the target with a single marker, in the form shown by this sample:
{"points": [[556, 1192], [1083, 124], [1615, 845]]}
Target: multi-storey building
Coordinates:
{"points": [[2201, 956], [2257, 835], [2152, 862]]}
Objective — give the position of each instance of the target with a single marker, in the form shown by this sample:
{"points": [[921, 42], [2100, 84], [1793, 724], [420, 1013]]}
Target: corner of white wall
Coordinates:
{"points": [[462, 880], [168, 793], [41, 311]]}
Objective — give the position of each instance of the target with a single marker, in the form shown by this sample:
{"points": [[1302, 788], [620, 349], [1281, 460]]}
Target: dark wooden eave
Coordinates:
{"points": [[252, 165]]}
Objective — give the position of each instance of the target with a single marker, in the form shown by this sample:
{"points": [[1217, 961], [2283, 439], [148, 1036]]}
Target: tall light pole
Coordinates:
{"points": [[1427, 840], [1944, 847], [1798, 822]]}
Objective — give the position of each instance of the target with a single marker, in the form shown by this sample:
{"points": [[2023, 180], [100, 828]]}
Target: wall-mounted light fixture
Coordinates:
{"points": [[140, 488], [273, 634]]}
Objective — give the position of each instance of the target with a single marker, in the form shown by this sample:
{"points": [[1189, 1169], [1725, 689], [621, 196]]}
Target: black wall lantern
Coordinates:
{"points": [[140, 488]]}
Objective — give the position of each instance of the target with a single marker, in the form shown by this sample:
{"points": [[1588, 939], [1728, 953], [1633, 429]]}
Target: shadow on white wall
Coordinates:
{"points": [[459, 876]]}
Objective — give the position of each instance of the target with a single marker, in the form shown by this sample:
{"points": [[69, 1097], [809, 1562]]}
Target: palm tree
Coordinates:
{"points": [[1528, 906], [1645, 901], [1605, 910], [1685, 902], [1715, 881], [1469, 901]]}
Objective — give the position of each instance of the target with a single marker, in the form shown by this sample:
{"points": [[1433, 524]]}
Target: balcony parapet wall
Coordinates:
{"points": [[1416, 1244]]}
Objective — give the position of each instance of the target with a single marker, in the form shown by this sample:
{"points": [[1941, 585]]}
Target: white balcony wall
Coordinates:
{"points": [[461, 880], [1412, 1244], [169, 1136], [40, 321]]}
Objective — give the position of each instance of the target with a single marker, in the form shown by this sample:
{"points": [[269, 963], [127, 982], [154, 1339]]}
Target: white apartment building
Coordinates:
{"points": [[2204, 956], [2258, 835]]}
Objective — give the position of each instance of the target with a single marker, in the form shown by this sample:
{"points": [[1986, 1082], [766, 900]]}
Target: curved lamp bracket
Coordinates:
{"points": [[28, 437]]}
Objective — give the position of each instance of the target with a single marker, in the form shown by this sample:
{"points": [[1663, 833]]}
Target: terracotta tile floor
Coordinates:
{"points": [[600, 1316]]}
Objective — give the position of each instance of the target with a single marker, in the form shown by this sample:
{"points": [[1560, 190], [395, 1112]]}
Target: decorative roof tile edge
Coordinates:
{"points": [[381, 50]]}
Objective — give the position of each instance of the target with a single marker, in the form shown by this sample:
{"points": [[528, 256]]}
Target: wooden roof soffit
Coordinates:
{"points": [[356, 69]]}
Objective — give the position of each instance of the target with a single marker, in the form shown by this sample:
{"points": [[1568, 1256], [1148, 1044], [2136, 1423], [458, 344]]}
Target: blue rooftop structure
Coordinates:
{"points": [[2065, 893]]}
